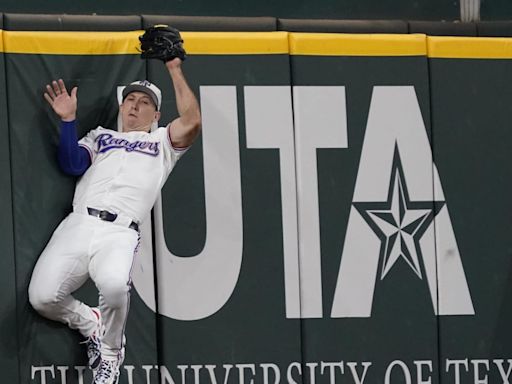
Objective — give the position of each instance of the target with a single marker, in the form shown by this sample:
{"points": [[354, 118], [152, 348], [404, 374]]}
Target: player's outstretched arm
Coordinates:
{"points": [[186, 127], [63, 103], [73, 160]]}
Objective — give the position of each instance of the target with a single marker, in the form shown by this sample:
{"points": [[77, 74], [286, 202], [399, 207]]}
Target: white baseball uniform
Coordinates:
{"points": [[127, 171]]}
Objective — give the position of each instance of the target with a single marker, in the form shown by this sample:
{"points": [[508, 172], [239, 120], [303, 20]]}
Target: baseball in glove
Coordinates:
{"points": [[162, 42]]}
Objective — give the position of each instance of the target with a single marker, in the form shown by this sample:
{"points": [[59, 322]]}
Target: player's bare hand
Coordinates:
{"points": [[174, 63], [63, 103]]}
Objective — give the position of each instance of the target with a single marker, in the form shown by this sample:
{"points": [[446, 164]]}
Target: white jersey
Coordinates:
{"points": [[127, 171]]}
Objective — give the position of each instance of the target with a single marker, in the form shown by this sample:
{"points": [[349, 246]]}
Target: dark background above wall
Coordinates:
{"points": [[317, 9], [84, 22]]}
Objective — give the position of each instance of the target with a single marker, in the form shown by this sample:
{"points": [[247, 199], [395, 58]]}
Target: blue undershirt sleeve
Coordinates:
{"points": [[73, 159]]}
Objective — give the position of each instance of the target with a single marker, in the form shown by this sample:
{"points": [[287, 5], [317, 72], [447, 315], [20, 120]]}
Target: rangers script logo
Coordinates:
{"points": [[106, 142]]}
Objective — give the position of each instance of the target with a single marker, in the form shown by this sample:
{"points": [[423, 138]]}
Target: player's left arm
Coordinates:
{"points": [[184, 129]]}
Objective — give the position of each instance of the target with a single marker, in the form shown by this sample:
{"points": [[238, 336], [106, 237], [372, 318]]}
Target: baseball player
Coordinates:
{"points": [[121, 176]]}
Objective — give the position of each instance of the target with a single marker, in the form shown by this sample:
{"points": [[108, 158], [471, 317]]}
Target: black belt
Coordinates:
{"points": [[109, 216]]}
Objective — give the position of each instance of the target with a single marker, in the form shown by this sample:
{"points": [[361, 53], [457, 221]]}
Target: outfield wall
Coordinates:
{"points": [[343, 218]]}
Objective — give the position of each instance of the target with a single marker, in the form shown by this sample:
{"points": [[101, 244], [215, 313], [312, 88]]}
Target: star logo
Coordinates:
{"points": [[399, 222]]}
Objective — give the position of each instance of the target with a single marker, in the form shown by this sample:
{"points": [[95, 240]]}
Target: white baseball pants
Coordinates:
{"points": [[84, 246]]}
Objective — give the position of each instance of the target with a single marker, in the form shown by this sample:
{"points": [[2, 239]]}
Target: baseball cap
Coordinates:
{"points": [[146, 87]]}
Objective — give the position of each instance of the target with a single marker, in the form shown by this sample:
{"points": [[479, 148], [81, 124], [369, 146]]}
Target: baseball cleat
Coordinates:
{"points": [[93, 342], [108, 372]]}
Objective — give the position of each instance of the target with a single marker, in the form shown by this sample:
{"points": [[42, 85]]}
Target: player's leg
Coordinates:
{"points": [[60, 270], [110, 269]]}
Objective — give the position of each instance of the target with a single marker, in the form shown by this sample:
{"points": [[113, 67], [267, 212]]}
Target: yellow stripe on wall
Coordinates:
{"points": [[71, 43], [236, 43], [331, 44], [469, 47], [264, 43], [122, 43]]}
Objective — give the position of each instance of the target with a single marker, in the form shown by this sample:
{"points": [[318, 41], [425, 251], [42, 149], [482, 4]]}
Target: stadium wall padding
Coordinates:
{"points": [[8, 312], [344, 216]]}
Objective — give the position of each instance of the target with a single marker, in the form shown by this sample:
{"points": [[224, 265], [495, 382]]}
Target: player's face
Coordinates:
{"points": [[138, 112]]}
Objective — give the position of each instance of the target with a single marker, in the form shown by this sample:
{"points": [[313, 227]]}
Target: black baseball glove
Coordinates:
{"points": [[162, 42]]}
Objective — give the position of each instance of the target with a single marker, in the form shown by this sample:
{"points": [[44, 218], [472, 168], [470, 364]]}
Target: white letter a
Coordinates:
{"points": [[398, 213]]}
